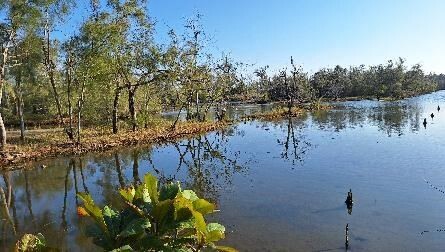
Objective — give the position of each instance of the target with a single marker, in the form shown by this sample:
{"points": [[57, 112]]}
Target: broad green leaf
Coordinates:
{"points": [[151, 183], [128, 193], [112, 220], [135, 227], [215, 232], [142, 193], [93, 210], [190, 195], [183, 208], [169, 191], [161, 210], [146, 195], [203, 206], [200, 223]]}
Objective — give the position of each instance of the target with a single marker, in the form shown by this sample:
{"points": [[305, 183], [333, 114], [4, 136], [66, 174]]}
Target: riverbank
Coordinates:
{"points": [[53, 142]]}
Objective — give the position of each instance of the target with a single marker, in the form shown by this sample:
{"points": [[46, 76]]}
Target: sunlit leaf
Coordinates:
{"points": [[203, 206], [225, 249], [30, 242], [125, 248], [128, 193], [93, 210], [151, 183], [112, 220], [189, 194], [215, 232]]}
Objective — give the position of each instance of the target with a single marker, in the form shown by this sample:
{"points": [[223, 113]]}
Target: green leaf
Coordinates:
{"points": [[225, 249], [151, 183], [93, 210], [215, 232], [30, 242], [183, 208], [169, 191], [128, 193], [146, 195], [112, 220], [135, 227], [125, 248], [161, 210], [203, 206], [200, 223], [190, 195]]}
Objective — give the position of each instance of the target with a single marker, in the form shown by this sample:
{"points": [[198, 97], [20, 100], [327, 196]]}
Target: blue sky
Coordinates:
{"points": [[317, 33]]}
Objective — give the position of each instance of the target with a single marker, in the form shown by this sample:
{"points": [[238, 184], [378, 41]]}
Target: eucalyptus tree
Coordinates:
{"points": [[20, 17], [27, 55], [138, 58], [53, 12]]}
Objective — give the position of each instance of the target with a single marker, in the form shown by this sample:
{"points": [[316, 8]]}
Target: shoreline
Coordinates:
{"points": [[51, 142], [96, 141]]}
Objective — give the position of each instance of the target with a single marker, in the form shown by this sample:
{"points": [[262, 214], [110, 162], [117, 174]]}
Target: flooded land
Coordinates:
{"points": [[280, 185]]}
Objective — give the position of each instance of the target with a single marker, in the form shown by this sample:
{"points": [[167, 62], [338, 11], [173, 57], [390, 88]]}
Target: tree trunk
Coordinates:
{"points": [[20, 114], [56, 95], [50, 66], [2, 133], [70, 130], [80, 102], [136, 178], [79, 109], [2, 78], [131, 108], [117, 94]]}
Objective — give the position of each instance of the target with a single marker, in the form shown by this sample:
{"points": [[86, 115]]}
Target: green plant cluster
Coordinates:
{"points": [[155, 218]]}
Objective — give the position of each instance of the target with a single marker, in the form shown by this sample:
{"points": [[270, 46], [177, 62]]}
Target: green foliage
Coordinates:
{"points": [[392, 79], [155, 218], [31, 243]]}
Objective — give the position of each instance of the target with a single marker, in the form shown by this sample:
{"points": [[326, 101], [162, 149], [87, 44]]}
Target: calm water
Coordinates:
{"points": [[280, 185]]}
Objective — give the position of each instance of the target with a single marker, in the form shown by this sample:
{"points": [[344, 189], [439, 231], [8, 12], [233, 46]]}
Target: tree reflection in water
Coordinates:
{"points": [[295, 145], [392, 118], [43, 200]]}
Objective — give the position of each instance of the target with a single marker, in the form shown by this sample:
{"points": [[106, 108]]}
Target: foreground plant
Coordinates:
{"points": [[30, 242], [154, 219]]}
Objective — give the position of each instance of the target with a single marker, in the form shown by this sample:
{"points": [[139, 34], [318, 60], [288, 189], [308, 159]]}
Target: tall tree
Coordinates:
{"points": [[20, 17]]}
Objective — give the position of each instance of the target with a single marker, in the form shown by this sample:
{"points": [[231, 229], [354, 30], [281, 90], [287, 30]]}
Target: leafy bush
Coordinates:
{"points": [[154, 219]]}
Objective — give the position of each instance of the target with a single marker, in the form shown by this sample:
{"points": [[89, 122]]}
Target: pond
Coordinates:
{"points": [[280, 185]]}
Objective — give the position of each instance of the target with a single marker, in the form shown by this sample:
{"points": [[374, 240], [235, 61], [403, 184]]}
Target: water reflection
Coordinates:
{"points": [[43, 200], [295, 146], [392, 118], [233, 169]]}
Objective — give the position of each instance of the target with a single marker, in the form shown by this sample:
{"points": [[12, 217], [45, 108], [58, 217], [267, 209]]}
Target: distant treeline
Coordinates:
{"points": [[391, 80]]}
